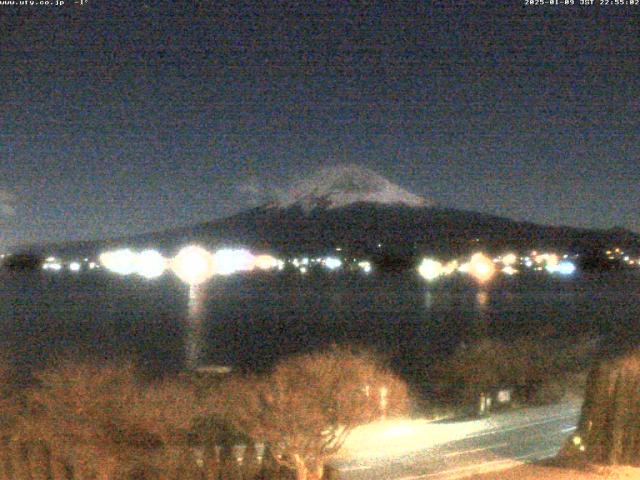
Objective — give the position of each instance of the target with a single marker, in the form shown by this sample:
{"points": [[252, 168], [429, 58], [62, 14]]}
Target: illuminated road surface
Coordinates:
{"points": [[415, 450]]}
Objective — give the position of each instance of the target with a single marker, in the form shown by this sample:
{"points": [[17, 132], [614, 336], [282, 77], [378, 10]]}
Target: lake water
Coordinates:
{"points": [[252, 320]]}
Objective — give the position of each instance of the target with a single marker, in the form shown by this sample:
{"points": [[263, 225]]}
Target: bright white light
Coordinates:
{"points": [[266, 262], [528, 263], [228, 261], [430, 269], [56, 267], [122, 262], [303, 270], [481, 267], [464, 268], [509, 259], [193, 265], [74, 266], [566, 268], [509, 270], [49, 259], [450, 267], [332, 263], [365, 266], [150, 264], [92, 265]]}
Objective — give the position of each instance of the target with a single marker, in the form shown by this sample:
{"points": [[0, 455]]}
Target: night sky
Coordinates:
{"points": [[124, 117]]}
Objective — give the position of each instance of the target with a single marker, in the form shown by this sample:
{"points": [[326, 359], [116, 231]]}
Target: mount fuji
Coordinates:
{"points": [[343, 185], [364, 214]]}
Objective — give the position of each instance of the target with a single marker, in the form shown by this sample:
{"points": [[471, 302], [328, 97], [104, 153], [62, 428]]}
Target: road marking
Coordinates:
{"points": [[568, 429], [474, 450]]}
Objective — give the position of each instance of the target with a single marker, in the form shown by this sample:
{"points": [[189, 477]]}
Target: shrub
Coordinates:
{"points": [[305, 408]]}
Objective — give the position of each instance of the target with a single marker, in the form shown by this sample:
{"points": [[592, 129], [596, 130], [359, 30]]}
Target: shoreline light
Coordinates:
{"points": [[193, 265], [332, 263], [228, 261], [122, 262], [365, 266], [430, 269], [150, 264], [265, 262], [481, 268]]}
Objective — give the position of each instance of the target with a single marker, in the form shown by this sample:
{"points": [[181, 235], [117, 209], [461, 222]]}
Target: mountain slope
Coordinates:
{"points": [[362, 212]]}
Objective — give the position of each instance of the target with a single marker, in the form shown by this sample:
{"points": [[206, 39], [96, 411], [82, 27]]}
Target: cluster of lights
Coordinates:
{"points": [[619, 254], [365, 266], [193, 265], [54, 264], [331, 263], [483, 268]]}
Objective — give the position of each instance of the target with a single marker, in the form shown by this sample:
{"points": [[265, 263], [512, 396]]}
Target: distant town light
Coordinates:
{"points": [[450, 267], [74, 267], [566, 268], [150, 264], [430, 269], [332, 263], [509, 270], [265, 262], [365, 266], [509, 259], [193, 265], [481, 267], [122, 262], [229, 261]]}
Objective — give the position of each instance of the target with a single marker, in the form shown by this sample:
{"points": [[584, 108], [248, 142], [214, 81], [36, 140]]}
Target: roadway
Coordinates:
{"points": [[448, 450]]}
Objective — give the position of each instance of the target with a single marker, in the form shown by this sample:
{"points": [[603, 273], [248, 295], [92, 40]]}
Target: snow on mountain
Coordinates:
{"points": [[342, 185]]}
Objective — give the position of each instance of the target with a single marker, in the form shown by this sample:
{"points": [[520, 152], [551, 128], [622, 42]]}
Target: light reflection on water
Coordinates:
{"points": [[194, 331], [251, 321]]}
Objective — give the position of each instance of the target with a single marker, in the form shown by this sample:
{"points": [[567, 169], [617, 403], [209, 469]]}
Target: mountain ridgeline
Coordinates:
{"points": [[364, 214]]}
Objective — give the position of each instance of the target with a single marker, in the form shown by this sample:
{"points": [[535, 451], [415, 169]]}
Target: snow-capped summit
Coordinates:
{"points": [[342, 185]]}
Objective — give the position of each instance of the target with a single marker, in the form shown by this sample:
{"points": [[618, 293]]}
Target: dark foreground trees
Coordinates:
{"points": [[535, 369], [85, 421], [609, 427], [307, 406]]}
